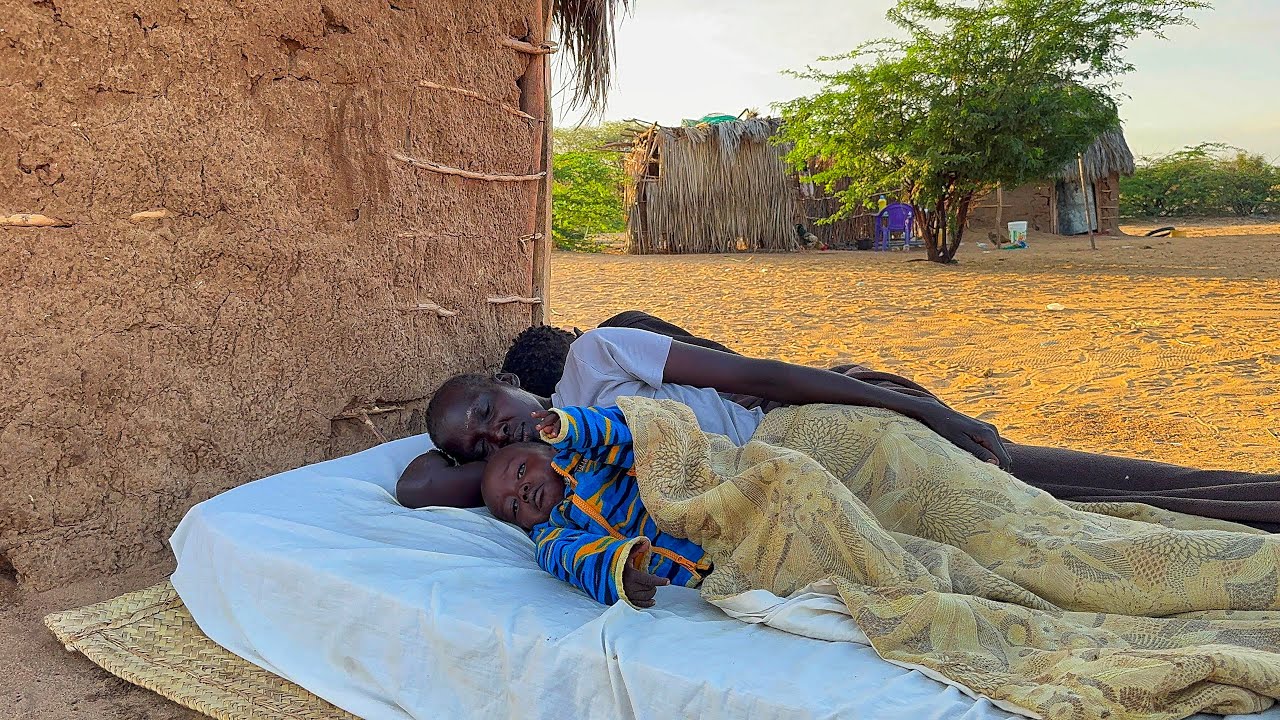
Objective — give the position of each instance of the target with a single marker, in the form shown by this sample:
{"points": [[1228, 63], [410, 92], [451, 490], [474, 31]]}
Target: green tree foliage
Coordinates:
{"points": [[586, 192], [1210, 179], [586, 200], [979, 93], [590, 137]]}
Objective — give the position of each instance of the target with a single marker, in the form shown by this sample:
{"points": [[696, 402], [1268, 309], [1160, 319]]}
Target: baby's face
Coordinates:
{"points": [[519, 485]]}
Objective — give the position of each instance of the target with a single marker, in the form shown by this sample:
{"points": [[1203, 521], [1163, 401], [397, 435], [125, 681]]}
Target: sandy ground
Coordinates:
{"points": [[1206, 227], [1165, 348], [40, 680]]}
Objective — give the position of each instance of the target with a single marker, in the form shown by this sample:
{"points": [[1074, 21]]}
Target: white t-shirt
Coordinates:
{"points": [[607, 363]]}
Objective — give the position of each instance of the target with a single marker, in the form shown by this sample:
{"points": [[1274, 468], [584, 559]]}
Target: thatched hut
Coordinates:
{"points": [[724, 187], [244, 237], [1058, 204], [709, 188]]}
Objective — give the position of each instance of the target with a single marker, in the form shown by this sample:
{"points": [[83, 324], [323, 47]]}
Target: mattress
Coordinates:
{"points": [[320, 576]]}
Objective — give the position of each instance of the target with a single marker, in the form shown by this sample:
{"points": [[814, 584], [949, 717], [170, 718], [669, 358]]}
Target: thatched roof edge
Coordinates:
{"points": [[725, 138], [1108, 155], [586, 33], [755, 129]]}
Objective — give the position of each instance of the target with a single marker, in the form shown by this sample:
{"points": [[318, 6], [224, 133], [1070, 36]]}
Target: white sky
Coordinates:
{"points": [[1218, 81]]}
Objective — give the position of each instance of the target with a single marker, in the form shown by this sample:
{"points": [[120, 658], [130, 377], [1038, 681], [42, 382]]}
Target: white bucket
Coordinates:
{"points": [[1018, 231]]}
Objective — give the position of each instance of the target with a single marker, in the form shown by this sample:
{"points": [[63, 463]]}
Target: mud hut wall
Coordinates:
{"points": [[1031, 202], [151, 364], [1106, 192], [710, 199]]}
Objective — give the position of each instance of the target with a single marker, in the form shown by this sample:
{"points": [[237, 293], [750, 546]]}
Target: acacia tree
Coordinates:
{"points": [[979, 93]]}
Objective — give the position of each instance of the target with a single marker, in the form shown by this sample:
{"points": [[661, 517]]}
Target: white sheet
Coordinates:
{"points": [[318, 575]]}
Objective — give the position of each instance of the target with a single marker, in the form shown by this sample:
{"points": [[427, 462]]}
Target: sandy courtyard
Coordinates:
{"points": [[1164, 348], [1167, 348]]}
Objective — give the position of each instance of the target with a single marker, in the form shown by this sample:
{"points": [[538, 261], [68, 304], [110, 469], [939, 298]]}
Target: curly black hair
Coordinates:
{"points": [[537, 357]]}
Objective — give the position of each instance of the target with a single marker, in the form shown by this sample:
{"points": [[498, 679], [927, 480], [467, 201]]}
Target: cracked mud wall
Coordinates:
{"points": [[151, 363]]}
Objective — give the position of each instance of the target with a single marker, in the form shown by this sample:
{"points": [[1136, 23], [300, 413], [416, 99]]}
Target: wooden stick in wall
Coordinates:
{"points": [[471, 94], [32, 220], [546, 48], [524, 241], [446, 170], [366, 411], [432, 307]]}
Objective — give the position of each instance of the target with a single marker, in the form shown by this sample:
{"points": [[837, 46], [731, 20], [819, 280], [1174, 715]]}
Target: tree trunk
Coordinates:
{"points": [[962, 205], [936, 233], [924, 220]]}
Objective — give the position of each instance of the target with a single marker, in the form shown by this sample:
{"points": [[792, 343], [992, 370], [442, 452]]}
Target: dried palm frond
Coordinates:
{"points": [[586, 31]]}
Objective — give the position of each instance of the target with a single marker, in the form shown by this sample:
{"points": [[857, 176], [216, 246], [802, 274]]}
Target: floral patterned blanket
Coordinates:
{"points": [[953, 565]]}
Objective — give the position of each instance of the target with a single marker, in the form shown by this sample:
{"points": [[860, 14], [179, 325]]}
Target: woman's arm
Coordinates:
{"points": [[432, 480], [799, 385]]}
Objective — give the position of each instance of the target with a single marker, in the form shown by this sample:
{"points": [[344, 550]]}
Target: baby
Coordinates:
{"points": [[576, 495]]}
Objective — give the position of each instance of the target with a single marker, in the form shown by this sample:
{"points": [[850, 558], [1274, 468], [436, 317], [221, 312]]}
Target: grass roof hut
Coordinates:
{"points": [[256, 235], [722, 187], [1058, 204]]}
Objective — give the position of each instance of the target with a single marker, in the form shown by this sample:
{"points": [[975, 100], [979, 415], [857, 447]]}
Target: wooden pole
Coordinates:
{"points": [[536, 100], [1088, 223], [1053, 207], [999, 208]]}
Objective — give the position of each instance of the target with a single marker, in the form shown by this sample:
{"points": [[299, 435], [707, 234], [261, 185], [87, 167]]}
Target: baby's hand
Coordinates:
{"points": [[639, 586], [548, 423]]}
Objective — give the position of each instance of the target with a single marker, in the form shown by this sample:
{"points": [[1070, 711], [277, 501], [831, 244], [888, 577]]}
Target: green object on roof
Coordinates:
{"points": [[713, 119]]}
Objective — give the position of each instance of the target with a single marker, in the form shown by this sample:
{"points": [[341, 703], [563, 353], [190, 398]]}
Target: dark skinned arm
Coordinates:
{"points": [[432, 480], [800, 385]]}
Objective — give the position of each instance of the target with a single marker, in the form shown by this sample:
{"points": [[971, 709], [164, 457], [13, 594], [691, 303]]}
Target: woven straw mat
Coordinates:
{"points": [[148, 638]]}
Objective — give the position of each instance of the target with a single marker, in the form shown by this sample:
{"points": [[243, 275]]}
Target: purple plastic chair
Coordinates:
{"points": [[895, 218]]}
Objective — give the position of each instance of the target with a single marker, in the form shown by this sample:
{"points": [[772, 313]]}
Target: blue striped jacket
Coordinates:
{"points": [[589, 535]]}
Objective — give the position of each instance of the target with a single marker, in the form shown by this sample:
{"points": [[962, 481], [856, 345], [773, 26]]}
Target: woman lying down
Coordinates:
{"points": [[944, 561]]}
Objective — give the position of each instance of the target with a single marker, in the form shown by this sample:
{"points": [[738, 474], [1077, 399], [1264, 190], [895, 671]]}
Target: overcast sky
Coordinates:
{"points": [[1217, 81]]}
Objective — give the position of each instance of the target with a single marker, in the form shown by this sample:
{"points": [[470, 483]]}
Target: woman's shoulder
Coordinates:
{"points": [[619, 344], [617, 336], [620, 354]]}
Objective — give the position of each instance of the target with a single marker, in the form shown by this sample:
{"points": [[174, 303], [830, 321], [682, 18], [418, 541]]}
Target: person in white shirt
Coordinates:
{"points": [[472, 416], [611, 363]]}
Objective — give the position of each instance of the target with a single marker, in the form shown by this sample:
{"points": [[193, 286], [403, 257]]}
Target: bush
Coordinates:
{"points": [[1210, 179], [586, 192], [586, 200], [1250, 184]]}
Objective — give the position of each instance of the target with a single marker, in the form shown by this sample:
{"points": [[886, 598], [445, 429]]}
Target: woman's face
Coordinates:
{"points": [[477, 424]]}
